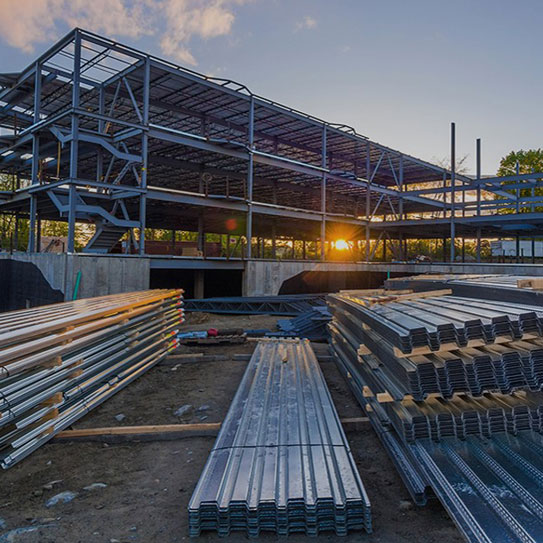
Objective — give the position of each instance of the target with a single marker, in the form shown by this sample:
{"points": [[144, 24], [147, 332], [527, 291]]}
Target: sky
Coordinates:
{"points": [[397, 71]]}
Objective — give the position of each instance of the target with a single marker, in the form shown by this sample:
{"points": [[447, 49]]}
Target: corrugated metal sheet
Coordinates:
{"points": [[481, 456], [443, 322], [310, 325], [491, 487], [281, 461], [60, 361], [503, 368], [502, 288]]}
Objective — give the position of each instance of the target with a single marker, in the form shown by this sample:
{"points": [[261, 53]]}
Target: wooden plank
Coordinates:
{"points": [[163, 432], [413, 296], [535, 283], [183, 356], [120, 434], [196, 358], [241, 357], [444, 347], [214, 340]]}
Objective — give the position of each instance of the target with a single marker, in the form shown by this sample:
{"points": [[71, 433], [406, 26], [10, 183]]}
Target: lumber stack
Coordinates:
{"points": [[452, 386], [58, 362]]}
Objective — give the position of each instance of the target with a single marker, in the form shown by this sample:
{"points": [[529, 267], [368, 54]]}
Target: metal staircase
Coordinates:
{"points": [[109, 228], [105, 238]]}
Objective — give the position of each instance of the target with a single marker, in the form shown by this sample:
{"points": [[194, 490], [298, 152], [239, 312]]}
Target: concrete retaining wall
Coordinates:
{"points": [[100, 275], [105, 275], [264, 278]]}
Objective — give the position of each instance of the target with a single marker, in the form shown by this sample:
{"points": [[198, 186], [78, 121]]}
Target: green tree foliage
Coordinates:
{"points": [[528, 162], [15, 238]]}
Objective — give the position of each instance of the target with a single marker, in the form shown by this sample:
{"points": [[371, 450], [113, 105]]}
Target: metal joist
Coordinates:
{"points": [[287, 304]]}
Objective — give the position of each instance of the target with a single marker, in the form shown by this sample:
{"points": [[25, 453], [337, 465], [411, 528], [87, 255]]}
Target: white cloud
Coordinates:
{"points": [[307, 23], [27, 23], [187, 18]]}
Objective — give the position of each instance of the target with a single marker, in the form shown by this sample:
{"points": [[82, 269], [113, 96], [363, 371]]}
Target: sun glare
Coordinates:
{"points": [[341, 245]]}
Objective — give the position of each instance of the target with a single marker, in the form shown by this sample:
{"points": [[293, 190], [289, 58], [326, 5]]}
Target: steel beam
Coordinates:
{"points": [[324, 166], [74, 143], [250, 172]]}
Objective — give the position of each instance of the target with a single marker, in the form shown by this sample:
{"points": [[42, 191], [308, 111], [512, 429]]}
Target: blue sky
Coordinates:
{"points": [[397, 71]]}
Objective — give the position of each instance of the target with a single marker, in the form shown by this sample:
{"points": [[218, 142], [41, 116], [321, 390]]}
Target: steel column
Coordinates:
{"points": [[401, 213], [478, 173], [101, 130], [35, 159], [453, 183], [478, 244], [368, 199], [144, 154], [323, 194], [517, 206], [74, 145], [250, 168]]}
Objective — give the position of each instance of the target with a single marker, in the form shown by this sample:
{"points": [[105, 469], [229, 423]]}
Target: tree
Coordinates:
{"points": [[16, 238], [528, 162], [460, 164]]}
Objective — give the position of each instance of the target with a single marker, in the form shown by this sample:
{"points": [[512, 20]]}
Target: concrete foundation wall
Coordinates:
{"points": [[109, 275], [100, 275], [264, 278]]}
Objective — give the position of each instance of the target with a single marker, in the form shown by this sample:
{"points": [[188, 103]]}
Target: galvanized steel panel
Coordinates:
{"points": [[281, 461]]}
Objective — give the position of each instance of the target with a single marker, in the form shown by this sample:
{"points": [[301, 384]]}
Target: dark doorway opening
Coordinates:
{"points": [[216, 282]]}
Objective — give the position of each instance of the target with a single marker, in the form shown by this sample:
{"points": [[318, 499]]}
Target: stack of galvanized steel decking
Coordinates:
{"points": [[504, 288], [452, 387], [58, 362], [281, 461]]}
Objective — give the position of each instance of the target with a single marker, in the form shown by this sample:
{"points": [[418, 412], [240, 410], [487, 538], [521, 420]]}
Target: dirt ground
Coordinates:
{"points": [[149, 484]]}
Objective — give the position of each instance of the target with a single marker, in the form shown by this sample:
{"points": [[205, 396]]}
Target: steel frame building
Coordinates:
{"points": [[98, 132]]}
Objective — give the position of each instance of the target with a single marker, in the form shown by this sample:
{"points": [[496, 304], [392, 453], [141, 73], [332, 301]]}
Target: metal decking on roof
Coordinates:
{"points": [[281, 461]]}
